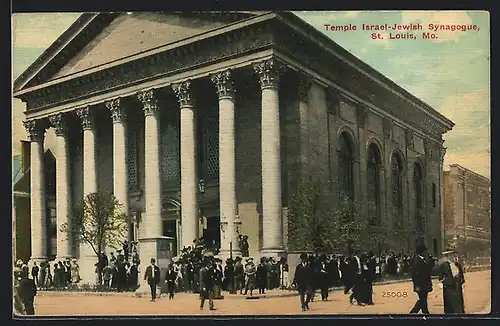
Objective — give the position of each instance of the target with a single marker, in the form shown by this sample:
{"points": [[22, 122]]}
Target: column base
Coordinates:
{"points": [[64, 257], [159, 248], [225, 254], [275, 253], [38, 260]]}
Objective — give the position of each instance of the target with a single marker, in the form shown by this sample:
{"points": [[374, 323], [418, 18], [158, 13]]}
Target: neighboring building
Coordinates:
{"points": [[467, 211], [249, 103]]}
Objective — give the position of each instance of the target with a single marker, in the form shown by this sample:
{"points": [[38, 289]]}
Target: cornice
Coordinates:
{"points": [[221, 47], [323, 42], [336, 69]]}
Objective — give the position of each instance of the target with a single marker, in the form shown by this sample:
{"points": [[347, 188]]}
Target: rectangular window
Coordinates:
{"points": [[434, 195]]}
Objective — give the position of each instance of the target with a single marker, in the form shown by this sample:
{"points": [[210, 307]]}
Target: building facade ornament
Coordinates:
{"points": [[443, 154], [59, 122], [431, 151], [410, 139], [361, 114], [149, 102], [224, 84], [388, 128], [86, 117], [117, 110], [333, 102], [304, 85], [269, 72], [35, 129], [183, 92]]}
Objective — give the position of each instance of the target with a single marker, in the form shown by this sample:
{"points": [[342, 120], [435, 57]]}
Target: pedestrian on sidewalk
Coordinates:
{"points": [[152, 276], [421, 271], [170, 280], [452, 280], [303, 279]]}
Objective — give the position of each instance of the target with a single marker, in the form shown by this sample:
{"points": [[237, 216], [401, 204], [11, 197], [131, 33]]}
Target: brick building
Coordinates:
{"points": [[467, 211], [149, 104]]}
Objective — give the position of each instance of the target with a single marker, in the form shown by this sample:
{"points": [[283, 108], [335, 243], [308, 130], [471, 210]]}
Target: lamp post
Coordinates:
{"points": [[201, 191]]}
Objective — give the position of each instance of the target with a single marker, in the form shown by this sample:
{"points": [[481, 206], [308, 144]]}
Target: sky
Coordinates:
{"points": [[450, 72]]}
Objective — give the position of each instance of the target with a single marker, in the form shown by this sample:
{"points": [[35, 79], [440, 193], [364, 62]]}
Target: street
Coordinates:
{"points": [[396, 298]]}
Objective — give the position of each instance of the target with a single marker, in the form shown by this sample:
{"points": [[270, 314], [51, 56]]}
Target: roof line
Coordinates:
{"points": [[365, 68], [53, 50]]}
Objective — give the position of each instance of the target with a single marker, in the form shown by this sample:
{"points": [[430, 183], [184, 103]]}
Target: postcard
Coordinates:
{"points": [[251, 163]]}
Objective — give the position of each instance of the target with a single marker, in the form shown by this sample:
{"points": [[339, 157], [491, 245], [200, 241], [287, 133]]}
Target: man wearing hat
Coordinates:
{"points": [[207, 282], [303, 280], [421, 271], [250, 276], [152, 276]]}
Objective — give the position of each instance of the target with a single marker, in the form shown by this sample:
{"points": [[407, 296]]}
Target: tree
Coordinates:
{"points": [[98, 221], [306, 229], [320, 227], [350, 231], [399, 235]]}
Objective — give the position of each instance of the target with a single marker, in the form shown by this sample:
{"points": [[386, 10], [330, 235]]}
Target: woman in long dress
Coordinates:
{"points": [[250, 276], [452, 280], [75, 272]]}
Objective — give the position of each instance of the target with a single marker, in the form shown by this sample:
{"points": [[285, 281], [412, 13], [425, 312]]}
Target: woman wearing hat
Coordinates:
{"points": [[452, 280]]}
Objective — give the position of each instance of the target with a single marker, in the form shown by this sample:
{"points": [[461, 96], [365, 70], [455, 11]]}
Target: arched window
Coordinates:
{"points": [[397, 184], [373, 185], [417, 189], [346, 184]]}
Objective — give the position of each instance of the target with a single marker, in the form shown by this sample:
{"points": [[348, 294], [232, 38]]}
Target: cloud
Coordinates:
{"points": [[39, 30], [441, 17]]}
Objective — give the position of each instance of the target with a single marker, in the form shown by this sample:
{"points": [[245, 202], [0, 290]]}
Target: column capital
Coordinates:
{"points": [[184, 93], [443, 154], [149, 102], [117, 110], [59, 122], [223, 81], [269, 72], [86, 117], [304, 85], [36, 129]]}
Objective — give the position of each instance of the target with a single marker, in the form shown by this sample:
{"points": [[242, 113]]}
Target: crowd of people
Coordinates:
{"points": [[200, 271]]}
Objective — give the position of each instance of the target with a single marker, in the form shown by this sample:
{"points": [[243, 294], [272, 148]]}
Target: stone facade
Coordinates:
{"points": [[467, 210], [239, 108]]}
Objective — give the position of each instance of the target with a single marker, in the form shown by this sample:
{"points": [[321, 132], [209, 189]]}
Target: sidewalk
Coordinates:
{"points": [[269, 294]]}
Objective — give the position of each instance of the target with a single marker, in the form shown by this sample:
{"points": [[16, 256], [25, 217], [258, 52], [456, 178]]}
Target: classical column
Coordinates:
{"points": [[304, 86], [89, 150], [87, 255], [151, 223], [120, 175], [63, 190], [189, 204], [269, 72], [227, 162], [36, 133]]}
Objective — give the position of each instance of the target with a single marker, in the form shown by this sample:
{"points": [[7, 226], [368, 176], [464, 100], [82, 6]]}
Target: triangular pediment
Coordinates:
{"points": [[97, 39]]}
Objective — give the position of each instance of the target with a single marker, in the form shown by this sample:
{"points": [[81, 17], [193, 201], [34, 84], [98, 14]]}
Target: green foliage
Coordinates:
{"points": [[399, 235], [317, 226], [98, 221]]}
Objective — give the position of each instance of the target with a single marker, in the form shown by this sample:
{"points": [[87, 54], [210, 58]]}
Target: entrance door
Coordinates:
{"points": [[170, 230], [212, 233]]}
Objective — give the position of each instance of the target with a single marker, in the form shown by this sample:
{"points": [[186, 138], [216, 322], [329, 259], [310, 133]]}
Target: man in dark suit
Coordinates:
{"points": [[152, 276], [303, 280], [207, 282], [27, 292], [421, 271]]}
